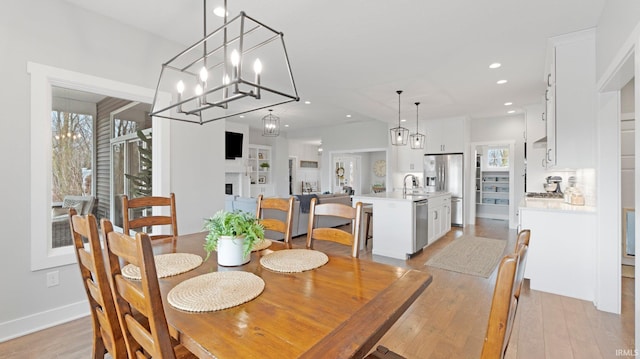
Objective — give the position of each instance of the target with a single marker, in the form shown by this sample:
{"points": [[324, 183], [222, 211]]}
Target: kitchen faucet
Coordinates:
{"points": [[414, 183]]}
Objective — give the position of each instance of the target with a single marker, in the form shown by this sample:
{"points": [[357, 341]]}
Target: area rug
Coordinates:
{"points": [[472, 255]]}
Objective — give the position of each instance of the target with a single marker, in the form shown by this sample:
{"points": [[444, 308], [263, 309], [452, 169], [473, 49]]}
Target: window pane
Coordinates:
{"points": [[72, 157]]}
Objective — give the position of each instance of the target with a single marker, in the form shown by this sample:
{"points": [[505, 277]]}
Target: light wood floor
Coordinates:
{"points": [[447, 321]]}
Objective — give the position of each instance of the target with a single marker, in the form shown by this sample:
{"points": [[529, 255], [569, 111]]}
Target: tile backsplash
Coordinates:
{"points": [[586, 182]]}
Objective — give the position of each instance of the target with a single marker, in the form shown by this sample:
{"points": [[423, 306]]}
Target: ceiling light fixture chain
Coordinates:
{"points": [[203, 80], [399, 135], [417, 139]]}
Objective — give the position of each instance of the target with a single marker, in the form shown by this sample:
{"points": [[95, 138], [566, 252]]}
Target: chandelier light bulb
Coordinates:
{"points": [[257, 66], [235, 58], [226, 80], [204, 75], [219, 11], [198, 90], [180, 87]]}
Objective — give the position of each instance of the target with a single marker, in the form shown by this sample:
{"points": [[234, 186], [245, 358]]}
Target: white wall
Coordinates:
{"points": [[616, 36], [618, 19], [47, 32], [354, 136]]}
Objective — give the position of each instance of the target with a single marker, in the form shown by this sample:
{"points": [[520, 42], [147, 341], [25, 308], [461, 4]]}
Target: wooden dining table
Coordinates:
{"points": [[338, 310]]}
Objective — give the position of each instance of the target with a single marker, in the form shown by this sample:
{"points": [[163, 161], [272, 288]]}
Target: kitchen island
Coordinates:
{"points": [[562, 249], [404, 224]]}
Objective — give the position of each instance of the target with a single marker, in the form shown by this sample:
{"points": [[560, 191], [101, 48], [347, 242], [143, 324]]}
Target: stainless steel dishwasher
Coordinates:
{"points": [[421, 224]]}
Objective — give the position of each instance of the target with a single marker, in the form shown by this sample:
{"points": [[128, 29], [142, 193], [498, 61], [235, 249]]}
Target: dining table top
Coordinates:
{"points": [[338, 310]]}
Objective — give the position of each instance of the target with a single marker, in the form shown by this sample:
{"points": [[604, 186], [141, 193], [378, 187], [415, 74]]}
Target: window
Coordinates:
{"points": [[44, 80], [498, 158]]}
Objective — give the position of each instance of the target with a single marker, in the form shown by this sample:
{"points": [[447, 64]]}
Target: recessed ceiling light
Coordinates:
{"points": [[508, 103], [241, 116], [403, 120], [307, 102], [286, 125], [219, 11], [511, 111], [495, 65], [348, 116], [500, 82]]}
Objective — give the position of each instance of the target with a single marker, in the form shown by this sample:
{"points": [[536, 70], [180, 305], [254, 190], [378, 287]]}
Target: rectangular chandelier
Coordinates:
{"points": [[240, 67]]}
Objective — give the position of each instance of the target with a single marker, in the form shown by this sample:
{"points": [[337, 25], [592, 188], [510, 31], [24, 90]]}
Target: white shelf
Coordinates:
{"points": [[260, 177]]}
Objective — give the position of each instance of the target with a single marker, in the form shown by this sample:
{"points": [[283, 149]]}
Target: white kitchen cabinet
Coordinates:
{"points": [[570, 101], [561, 253], [409, 159], [446, 135], [439, 217]]}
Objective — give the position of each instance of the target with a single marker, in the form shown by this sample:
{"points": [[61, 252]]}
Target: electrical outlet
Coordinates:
{"points": [[53, 279]]}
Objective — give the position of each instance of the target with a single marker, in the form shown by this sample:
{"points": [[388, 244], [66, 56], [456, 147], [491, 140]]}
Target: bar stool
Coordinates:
{"points": [[367, 210]]}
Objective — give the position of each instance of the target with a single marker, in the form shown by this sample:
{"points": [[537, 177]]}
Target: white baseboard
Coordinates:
{"points": [[38, 321]]}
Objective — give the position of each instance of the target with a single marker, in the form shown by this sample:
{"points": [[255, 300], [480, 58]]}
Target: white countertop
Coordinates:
{"points": [[542, 204], [399, 196]]}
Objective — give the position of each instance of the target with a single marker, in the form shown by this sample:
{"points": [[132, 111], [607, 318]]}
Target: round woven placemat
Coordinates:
{"points": [[294, 260], [167, 265], [263, 244], [215, 291]]}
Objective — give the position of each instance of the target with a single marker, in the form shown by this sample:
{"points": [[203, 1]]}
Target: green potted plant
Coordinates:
{"points": [[232, 235], [264, 165]]}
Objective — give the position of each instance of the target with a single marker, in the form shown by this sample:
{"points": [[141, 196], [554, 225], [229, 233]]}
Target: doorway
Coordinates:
{"points": [[492, 182]]}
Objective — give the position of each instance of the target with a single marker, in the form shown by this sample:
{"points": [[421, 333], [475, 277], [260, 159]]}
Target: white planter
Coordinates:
{"points": [[230, 251]]}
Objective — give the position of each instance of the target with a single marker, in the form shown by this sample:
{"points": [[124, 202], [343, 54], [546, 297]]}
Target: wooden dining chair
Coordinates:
{"points": [[146, 333], [316, 211], [522, 247], [107, 334], [523, 238], [272, 224], [140, 222], [503, 309]]}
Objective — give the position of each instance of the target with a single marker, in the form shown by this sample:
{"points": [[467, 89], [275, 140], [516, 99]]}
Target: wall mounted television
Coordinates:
{"points": [[233, 145]]}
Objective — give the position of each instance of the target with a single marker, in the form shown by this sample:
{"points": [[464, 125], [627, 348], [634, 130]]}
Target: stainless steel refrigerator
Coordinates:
{"points": [[445, 172]]}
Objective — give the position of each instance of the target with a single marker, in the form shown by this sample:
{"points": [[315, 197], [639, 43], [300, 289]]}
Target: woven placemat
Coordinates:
{"points": [[167, 265], [215, 291], [263, 244], [294, 260]]}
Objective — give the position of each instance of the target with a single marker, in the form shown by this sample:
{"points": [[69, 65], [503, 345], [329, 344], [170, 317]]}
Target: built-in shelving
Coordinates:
{"points": [[259, 162], [492, 197]]}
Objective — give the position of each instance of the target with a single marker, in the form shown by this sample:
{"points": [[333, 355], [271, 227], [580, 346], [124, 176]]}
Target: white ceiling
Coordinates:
{"points": [[350, 57]]}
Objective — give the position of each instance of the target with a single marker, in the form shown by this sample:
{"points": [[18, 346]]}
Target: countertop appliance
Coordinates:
{"points": [[445, 172]]}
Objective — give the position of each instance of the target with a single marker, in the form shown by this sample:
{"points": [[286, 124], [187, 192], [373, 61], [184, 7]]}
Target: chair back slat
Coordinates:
{"points": [[336, 235], [277, 204], [151, 335], [107, 332], [273, 225], [139, 223], [333, 235]]}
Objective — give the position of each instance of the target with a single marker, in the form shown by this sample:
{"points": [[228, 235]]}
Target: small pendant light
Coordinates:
{"points": [[399, 135], [417, 139]]}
